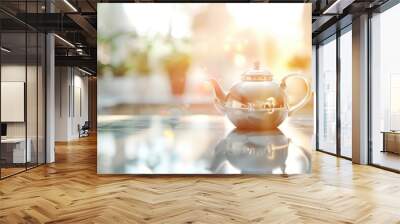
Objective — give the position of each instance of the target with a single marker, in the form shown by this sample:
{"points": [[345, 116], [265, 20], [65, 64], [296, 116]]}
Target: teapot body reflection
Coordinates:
{"points": [[257, 102], [253, 152]]}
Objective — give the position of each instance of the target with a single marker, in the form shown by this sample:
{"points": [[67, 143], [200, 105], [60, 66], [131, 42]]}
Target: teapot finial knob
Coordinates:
{"points": [[257, 65]]}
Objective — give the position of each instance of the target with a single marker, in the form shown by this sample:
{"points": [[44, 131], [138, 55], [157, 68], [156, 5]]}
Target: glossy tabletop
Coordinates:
{"points": [[194, 144]]}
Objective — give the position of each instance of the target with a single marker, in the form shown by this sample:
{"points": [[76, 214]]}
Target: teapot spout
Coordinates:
{"points": [[218, 92]]}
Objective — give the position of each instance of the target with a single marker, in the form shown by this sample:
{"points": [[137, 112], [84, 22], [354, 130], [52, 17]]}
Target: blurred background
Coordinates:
{"points": [[157, 58], [154, 102]]}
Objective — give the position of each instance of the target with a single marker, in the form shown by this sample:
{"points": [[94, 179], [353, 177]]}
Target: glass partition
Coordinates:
{"points": [[327, 96], [14, 153], [346, 93], [385, 89], [41, 96], [22, 92], [32, 95], [31, 85]]}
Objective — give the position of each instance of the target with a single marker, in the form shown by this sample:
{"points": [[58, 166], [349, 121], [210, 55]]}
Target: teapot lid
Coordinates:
{"points": [[257, 74]]}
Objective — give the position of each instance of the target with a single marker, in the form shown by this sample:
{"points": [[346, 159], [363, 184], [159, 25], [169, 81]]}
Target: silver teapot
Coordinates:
{"points": [[257, 102]]}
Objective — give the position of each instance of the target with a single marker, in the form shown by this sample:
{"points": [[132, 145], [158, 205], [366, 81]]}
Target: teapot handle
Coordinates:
{"points": [[306, 97]]}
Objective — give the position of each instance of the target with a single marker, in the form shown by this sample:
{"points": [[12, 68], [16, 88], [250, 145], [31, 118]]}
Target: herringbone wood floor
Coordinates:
{"points": [[70, 191]]}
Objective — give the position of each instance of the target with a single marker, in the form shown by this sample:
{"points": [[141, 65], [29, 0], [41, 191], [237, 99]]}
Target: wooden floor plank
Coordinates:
{"points": [[70, 191]]}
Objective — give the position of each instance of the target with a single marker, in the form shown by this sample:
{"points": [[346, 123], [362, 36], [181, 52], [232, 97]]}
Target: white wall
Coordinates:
{"points": [[62, 82], [80, 100], [71, 94], [12, 73]]}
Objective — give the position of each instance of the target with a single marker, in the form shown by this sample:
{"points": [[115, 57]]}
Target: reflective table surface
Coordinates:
{"points": [[195, 144]]}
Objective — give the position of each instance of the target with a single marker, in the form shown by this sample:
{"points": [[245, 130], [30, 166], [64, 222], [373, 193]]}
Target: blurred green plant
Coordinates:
{"points": [[176, 64], [136, 60], [139, 61]]}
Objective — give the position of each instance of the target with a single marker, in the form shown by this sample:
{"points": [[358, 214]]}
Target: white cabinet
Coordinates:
{"points": [[18, 149]]}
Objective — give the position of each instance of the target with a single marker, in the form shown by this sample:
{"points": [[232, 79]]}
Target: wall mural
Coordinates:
{"points": [[204, 88]]}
